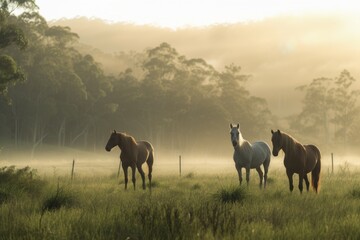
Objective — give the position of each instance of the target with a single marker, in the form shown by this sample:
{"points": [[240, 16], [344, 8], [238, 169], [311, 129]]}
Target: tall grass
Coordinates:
{"points": [[231, 194], [196, 207], [14, 182]]}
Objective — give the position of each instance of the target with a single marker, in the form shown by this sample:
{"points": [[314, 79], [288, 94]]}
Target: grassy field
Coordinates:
{"points": [[195, 206]]}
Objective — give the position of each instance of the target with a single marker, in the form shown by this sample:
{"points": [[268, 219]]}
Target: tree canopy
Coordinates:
{"points": [[65, 98], [11, 34], [178, 103], [330, 111]]}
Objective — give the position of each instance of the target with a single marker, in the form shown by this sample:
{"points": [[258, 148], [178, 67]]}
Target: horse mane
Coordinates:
{"points": [[241, 139], [290, 141], [244, 144], [127, 142]]}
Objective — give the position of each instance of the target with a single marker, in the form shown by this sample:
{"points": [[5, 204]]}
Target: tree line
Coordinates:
{"points": [[330, 113], [176, 102], [63, 97]]}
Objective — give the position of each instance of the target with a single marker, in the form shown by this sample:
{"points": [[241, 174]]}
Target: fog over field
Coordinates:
{"points": [[52, 162]]}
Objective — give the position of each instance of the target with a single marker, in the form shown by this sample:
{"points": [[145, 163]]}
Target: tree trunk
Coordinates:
{"points": [[16, 126], [61, 134]]}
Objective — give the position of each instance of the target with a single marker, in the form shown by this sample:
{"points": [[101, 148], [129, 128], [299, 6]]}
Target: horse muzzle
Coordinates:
{"points": [[107, 149], [275, 153], [234, 143]]}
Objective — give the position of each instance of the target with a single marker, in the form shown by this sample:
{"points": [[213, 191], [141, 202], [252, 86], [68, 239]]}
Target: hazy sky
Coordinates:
{"points": [[182, 13]]}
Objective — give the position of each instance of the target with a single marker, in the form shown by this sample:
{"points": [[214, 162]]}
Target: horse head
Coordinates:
{"points": [[276, 141], [234, 134], [112, 142]]}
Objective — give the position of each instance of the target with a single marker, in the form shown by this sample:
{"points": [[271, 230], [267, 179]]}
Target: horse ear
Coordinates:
{"points": [[231, 126], [272, 131], [114, 131], [237, 126], [278, 131]]}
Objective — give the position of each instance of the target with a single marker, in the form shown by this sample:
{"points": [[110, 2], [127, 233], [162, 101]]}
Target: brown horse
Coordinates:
{"points": [[300, 159], [133, 154]]}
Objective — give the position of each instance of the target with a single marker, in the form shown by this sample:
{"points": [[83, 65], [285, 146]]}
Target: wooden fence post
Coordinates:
{"points": [[72, 170]]}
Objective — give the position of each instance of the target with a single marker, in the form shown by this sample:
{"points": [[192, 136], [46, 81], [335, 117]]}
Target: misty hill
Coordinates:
{"points": [[280, 53]]}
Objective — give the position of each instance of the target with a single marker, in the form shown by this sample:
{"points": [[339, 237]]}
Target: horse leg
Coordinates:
{"points": [[290, 176], [266, 169], [301, 178], [125, 169], [307, 182], [150, 162], [239, 173], [247, 176], [141, 171], [261, 175], [133, 168]]}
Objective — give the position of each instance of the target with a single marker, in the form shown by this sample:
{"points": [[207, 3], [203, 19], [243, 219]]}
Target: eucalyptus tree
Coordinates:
{"points": [[345, 107], [252, 112], [316, 114], [11, 34], [161, 67], [57, 83], [53, 91], [178, 93], [97, 86], [330, 110], [182, 101]]}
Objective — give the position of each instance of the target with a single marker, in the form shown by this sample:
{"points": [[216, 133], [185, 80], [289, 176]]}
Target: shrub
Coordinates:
{"points": [[154, 184], [15, 181], [190, 175], [355, 192], [4, 196], [60, 199], [196, 186], [231, 194], [270, 180]]}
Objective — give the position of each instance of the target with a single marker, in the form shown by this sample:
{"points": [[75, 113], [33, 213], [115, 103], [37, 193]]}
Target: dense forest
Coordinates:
{"points": [[280, 52], [54, 94]]}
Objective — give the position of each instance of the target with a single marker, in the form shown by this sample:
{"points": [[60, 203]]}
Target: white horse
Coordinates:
{"points": [[249, 156]]}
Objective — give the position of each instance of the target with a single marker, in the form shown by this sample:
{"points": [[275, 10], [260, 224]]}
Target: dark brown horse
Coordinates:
{"points": [[300, 159], [133, 154]]}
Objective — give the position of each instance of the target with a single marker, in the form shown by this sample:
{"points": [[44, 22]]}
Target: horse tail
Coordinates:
{"points": [[315, 173], [150, 161]]}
